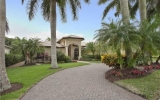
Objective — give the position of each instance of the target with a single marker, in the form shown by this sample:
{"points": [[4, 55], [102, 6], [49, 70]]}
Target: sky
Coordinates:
{"points": [[89, 20]]}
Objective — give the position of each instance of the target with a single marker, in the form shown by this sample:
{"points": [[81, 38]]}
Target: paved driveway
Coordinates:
{"points": [[80, 83]]}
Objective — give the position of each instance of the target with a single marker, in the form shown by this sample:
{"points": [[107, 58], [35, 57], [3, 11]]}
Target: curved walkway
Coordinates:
{"points": [[80, 83]]}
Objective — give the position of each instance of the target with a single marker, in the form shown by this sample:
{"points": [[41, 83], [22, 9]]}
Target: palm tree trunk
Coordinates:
{"points": [[125, 11], [4, 81], [126, 20], [142, 8], [53, 34]]}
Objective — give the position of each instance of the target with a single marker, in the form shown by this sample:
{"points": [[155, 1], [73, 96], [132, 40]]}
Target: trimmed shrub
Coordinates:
{"points": [[111, 60], [67, 59], [11, 59], [62, 57]]}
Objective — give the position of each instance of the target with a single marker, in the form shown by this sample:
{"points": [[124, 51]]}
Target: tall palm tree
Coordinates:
{"points": [[125, 11], [116, 4], [4, 81], [142, 9], [49, 13]]}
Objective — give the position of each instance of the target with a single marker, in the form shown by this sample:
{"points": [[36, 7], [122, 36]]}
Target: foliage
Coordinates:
{"points": [[118, 74], [111, 60], [19, 46], [67, 59], [62, 57], [11, 59], [30, 75], [33, 47], [91, 47], [8, 41], [120, 37], [133, 7]]}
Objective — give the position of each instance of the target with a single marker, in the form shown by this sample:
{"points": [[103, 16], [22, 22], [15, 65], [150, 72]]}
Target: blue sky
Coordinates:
{"points": [[89, 21]]}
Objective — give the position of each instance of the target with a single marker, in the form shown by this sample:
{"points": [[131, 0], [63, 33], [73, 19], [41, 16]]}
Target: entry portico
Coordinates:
{"points": [[70, 45]]}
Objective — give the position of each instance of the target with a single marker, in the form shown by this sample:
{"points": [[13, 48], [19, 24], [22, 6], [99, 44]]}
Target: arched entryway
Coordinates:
{"points": [[76, 54]]}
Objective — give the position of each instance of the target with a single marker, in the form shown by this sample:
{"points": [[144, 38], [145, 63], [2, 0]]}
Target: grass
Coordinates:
{"points": [[30, 75], [148, 86]]}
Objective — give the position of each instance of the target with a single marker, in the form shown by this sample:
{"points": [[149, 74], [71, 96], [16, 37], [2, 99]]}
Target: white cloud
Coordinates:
{"points": [[42, 35], [20, 31]]}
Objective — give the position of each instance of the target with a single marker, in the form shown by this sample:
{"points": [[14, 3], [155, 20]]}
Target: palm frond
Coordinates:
{"points": [[7, 26], [32, 6], [108, 8], [46, 9]]}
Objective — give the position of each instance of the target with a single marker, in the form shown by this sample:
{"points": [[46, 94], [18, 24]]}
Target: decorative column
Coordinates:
{"points": [[79, 53], [66, 50]]}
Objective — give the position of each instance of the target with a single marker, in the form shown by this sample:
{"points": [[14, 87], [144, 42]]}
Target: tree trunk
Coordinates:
{"points": [[53, 34], [4, 81], [126, 20], [125, 11], [142, 9]]}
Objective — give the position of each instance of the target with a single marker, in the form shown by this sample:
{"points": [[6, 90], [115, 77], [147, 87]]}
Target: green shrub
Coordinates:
{"points": [[11, 59], [62, 57], [97, 57], [67, 59]]}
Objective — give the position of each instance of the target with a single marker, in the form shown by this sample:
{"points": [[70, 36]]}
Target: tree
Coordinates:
{"points": [[33, 47], [19, 46], [48, 39], [142, 9], [116, 4], [4, 81], [150, 38], [91, 47], [120, 37], [49, 13]]}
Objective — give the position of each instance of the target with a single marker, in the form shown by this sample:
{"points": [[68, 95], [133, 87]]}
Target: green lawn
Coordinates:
{"points": [[148, 86], [29, 75]]}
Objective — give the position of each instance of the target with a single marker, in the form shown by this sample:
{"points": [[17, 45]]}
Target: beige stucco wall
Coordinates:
{"points": [[47, 50], [73, 41], [62, 49]]}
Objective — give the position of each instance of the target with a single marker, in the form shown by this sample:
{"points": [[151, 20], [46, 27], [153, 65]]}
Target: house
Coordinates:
{"points": [[7, 49], [70, 45]]}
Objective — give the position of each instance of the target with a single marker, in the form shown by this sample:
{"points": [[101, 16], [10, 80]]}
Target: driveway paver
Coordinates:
{"points": [[80, 83]]}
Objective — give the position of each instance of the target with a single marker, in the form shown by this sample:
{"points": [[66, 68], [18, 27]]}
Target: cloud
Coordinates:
{"points": [[24, 32]]}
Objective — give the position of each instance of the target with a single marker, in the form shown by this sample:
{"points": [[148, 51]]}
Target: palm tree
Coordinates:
{"points": [[150, 38], [116, 4], [19, 46], [125, 11], [49, 13], [91, 47], [142, 9], [33, 47], [120, 37], [4, 81], [48, 39]]}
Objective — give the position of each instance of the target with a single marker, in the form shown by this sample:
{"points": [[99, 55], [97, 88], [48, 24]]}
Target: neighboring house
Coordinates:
{"points": [[70, 45], [7, 49]]}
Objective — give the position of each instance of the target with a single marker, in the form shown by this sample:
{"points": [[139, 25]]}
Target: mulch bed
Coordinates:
{"points": [[15, 87], [126, 74]]}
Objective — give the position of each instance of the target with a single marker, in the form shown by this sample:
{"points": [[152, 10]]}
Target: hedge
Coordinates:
{"points": [[11, 59]]}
